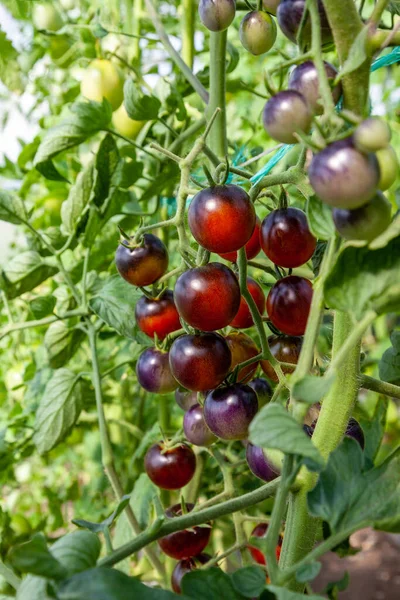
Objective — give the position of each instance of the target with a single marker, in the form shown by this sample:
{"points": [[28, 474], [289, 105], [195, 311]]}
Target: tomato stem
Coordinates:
{"points": [[218, 141], [188, 27]]}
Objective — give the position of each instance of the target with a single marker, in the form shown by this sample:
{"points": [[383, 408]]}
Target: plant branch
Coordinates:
{"points": [[378, 11], [218, 140], [41, 322], [381, 387]]}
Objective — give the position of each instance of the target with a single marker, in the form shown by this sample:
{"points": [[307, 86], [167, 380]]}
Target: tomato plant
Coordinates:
{"points": [[174, 173]]}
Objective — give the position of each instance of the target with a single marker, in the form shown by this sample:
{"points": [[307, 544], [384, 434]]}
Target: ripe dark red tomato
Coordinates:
{"points": [[185, 399], [208, 297], [195, 427], [185, 566], [260, 532], [285, 349], [304, 79], [285, 114], [154, 373], [342, 176], [243, 318], [222, 218], [263, 390], [170, 469], [288, 304], [252, 247], [217, 15], [157, 316], [144, 263], [228, 411], [242, 348], [290, 16], [366, 222], [184, 544], [257, 32], [259, 464], [286, 238], [200, 362]]}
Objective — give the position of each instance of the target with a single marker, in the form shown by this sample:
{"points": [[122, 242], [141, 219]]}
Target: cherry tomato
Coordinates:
{"points": [[257, 32], [260, 532], [271, 6], [353, 430], [222, 218], [102, 79], [46, 16], [243, 318], [170, 468], [195, 428], [290, 17], [288, 304], [185, 566], [228, 411], [185, 399], [372, 134], [142, 264], [285, 349], [252, 247], [259, 464], [217, 15], [263, 390], [366, 222], [208, 297], [242, 348], [154, 373], [388, 167], [186, 543], [342, 176], [285, 114], [157, 316], [125, 125], [286, 238], [200, 362], [304, 79]]}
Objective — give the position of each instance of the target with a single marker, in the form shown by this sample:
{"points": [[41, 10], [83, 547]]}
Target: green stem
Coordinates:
{"points": [[381, 387], [352, 340], [41, 322], [136, 29], [128, 16], [378, 11], [218, 141], [316, 45], [9, 576], [188, 27]]}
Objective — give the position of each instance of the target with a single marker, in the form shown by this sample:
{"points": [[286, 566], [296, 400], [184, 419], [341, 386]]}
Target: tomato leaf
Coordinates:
{"points": [[41, 306], [12, 209], [77, 551], [312, 389], [61, 343], [308, 572], [249, 581], [389, 365], [285, 594], [319, 217], [212, 584], [99, 527], [78, 198], [35, 557], [23, 273], [139, 106], [357, 55]]}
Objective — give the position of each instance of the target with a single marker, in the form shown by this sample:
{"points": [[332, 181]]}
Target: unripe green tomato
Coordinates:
{"points": [[125, 125], [271, 6], [257, 32], [101, 80], [372, 135], [217, 15], [46, 16], [366, 222], [69, 4], [388, 166]]}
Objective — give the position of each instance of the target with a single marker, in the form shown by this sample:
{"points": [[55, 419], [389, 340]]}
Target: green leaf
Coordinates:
{"points": [[319, 217], [394, 7], [10, 73], [99, 527], [23, 273], [12, 209], [285, 594], [348, 496], [389, 365], [61, 343], [42, 306], [273, 427], [249, 581], [308, 572], [138, 106], [364, 279], [357, 54], [77, 551], [32, 588], [58, 410], [234, 57], [79, 196], [212, 584], [115, 304], [391, 232], [34, 557], [312, 389], [374, 430]]}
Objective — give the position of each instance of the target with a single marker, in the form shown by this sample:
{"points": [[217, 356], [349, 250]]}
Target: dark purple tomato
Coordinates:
{"points": [[366, 222], [286, 237], [252, 247], [304, 79], [154, 373], [185, 399], [271, 6], [200, 362], [290, 15], [195, 428], [263, 390], [170, 468], [285, 114], [344, 177], [228, 411], [388, 167], [243, 318], [372, 135], [184, 544], [354, 431], [185, 566], [157, 316], [217, 15], [285, 349], [257, 32], [259, 464], [288, 304], [208, 297], [144, 263], [222, 218], [242, 348]]}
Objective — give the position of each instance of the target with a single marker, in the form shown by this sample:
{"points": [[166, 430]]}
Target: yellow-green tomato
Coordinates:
{"points": [[271, 6], [101, 80], [69, 4], [125, 125], [388, 167], [257, 32], [46, 16]]}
